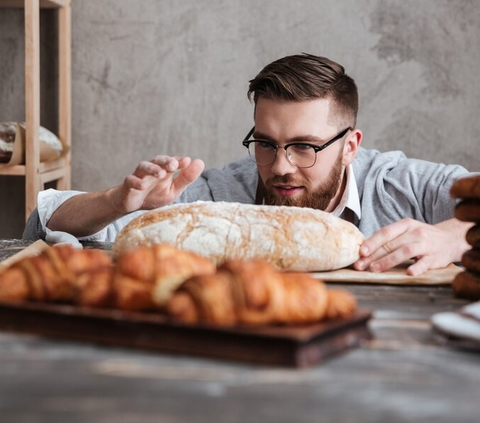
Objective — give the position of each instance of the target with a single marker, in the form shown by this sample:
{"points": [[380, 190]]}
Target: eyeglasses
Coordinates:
{"points": [[299, 154]]}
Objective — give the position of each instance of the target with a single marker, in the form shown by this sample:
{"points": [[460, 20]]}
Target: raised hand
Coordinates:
{"points": [[156, 183], [153, 184]]}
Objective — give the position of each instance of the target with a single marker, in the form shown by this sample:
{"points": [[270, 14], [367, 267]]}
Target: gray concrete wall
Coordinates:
{"points": [[170, 76]]}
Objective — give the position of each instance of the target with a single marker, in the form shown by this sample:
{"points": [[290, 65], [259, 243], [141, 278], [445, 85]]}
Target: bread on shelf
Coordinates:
{"points": [[12, 144]]}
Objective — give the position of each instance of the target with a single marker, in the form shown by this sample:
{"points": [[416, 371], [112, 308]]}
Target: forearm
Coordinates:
{"points": [[151, 185], [86, 214]]}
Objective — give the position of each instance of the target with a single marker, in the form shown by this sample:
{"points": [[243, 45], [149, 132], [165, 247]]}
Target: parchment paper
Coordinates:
{"points": [[395, 276]]}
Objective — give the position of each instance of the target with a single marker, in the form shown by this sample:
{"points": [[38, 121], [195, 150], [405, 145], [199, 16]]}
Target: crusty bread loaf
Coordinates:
{"points": [[291, 238]]}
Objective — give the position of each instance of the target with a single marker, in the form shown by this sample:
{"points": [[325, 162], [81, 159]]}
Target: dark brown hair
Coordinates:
{"points": [[306, 77]]}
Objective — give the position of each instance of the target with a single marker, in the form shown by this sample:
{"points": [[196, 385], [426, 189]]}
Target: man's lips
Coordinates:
{"points": [[287, 190]]}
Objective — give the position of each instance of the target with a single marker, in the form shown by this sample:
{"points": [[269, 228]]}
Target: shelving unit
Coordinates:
{"points": [[37, 173]]}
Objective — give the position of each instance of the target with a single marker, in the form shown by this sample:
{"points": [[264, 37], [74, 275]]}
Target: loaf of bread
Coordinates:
{"points": [[290, 238], [252, 292], [12, 139], [7, 140]]}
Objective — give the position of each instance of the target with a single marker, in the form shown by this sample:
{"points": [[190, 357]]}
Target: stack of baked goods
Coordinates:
{"points": [[467, 284], [181, 284]]}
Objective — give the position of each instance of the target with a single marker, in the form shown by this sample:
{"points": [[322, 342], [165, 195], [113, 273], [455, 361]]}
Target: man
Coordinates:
{"points": [[305, 151]]}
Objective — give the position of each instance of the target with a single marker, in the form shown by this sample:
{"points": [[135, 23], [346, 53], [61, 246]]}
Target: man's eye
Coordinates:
{"points": [[265, 145], [301, 148]]}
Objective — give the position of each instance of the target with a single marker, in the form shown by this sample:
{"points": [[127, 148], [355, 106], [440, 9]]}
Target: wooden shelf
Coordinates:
{"points": [[37, 174], [44, 4]]}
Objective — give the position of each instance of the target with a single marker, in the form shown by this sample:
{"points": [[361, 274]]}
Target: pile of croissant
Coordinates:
{"points": [[183, 285]]}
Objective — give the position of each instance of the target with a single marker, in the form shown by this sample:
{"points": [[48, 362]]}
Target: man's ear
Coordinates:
{"points": [[350, 149]]}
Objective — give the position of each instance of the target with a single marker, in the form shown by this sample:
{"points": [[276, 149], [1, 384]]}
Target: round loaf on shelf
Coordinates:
{"points": [[13, 133], [291, 238], [8, 132]]}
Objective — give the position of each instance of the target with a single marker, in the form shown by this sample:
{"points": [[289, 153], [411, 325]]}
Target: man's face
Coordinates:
{"points": [[286, 122]]}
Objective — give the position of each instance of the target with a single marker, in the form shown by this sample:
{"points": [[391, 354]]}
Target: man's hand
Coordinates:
{"points": [[153, 184], [156, 183], [432, 246]]}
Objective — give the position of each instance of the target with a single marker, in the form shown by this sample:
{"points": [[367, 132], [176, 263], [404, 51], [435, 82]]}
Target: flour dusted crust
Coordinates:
{"points": [[291, 238]]}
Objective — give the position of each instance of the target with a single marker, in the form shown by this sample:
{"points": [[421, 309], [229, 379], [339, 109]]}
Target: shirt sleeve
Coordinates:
{"points": [[50, 200], [393, 187], [421, 189]]}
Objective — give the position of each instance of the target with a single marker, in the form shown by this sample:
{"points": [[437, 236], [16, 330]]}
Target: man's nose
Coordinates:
{"points": [[281, 165]]}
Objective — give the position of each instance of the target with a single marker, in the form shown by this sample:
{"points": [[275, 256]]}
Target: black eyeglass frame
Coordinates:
{"points": [[246, 143]]}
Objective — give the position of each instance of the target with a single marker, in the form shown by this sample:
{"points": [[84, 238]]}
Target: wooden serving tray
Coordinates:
{"points": [[299, 346]]}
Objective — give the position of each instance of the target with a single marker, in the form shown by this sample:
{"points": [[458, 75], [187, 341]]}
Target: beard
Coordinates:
{"points": [[316, 199]]}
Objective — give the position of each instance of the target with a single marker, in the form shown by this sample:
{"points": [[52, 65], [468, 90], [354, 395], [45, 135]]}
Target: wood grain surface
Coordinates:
{"points": [[403, 374]]}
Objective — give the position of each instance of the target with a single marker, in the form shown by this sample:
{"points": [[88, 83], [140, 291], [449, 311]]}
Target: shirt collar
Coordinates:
{"points": [[350, 198]]}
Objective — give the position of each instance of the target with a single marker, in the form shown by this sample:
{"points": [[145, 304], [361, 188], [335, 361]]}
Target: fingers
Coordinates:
{"points": [[171, 164], [161, 166], [149, 169], [182, 170], [385, 238], [382, 261], [420, 266], [391, 246], [133, 182], [188, 174], [158, 182]]}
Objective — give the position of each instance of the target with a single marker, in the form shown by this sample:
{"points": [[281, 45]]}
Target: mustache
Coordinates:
{"points": [[285, 179]]}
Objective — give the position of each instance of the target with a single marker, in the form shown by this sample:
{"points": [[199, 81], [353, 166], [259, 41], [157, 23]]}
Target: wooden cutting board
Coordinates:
{"points": [[395, 276], [290, 346]]}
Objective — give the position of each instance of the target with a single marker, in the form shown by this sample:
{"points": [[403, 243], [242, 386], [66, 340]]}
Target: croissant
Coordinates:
{"points": [[253, 292], [145, 277], [141, 279], [61, 273]]}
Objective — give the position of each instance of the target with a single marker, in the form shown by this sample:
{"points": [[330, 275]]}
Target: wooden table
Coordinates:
{"points": [[403, 375]]}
